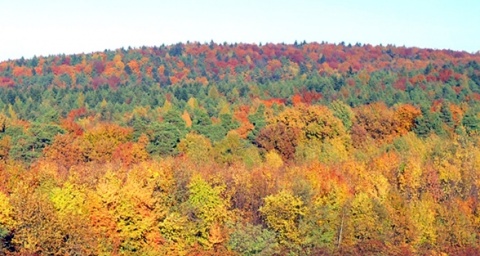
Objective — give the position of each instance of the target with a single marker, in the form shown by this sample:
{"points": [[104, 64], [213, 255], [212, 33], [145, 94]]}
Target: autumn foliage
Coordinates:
{"points": [[241, 149]]}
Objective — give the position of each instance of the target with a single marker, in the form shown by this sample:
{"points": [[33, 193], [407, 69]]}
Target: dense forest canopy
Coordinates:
{"points": [[241, 149]]}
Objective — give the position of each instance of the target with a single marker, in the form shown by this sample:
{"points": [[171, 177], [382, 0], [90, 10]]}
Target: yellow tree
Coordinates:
{"points": [[282, 213], [209, 209], [325, 221], [367, 223], [424, 214], [69, 202], [196, 147], [42, 227], [455, 227], [129, 211], [7, 222], [230, 149]]}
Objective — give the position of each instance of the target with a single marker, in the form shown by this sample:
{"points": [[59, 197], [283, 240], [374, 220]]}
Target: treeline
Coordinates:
{"points": [[211, 149]]}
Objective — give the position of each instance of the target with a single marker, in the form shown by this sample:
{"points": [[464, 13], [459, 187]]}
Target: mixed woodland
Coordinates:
{"points": [[241, 149]]}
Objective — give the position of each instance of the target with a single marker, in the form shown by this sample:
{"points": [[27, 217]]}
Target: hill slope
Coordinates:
{"points": [[241, 150]]}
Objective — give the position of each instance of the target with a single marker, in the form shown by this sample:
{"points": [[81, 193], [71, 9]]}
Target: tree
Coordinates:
{"points": [[248, 239], [282, 213], [7, 223], [343, 112], [325, 222], [366, 222], [100, 142], [65, 150], [423, 218], [279, 137], [428, 123], [374, 121], [39, 229], [258, 121], [29, 144], [313, 123], [228, 122], [202, 124], [446, 114], [196, 147], [164, 138], [471, 122], [404, 118], [5, 145], [174, 118], [230, 149], [207, 209]]}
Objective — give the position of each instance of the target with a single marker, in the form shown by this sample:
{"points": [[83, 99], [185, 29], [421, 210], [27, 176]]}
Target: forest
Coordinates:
{"points": [[241, 149]]}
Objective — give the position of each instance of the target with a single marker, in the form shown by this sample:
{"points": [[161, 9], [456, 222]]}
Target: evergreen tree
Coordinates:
{"points": [[471, 122], [446, 114]]}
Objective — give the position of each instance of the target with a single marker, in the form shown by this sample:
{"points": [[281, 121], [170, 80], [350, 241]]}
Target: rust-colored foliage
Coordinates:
{"points": [[376, 121], [404, 118], [130, 153], [65, 150], [279, 137]]}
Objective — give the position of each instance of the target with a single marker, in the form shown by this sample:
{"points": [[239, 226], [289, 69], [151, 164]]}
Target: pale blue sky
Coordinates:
{"points": [[34, 27]]}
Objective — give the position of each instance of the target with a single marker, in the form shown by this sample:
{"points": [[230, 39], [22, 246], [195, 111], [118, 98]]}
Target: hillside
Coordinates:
{"points": [[241, 149]]}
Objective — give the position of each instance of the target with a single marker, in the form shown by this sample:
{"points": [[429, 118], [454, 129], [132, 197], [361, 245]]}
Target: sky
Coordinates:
{"points": [[40, 28]]}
